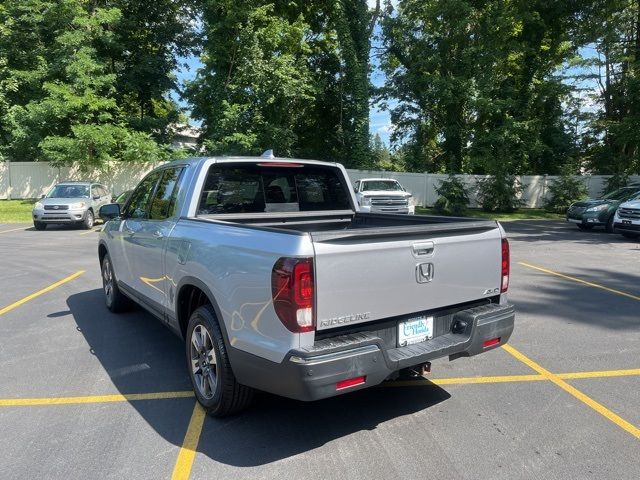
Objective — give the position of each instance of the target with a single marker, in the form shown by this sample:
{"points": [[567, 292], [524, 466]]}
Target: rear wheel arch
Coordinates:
{"points": [[192, 293]]}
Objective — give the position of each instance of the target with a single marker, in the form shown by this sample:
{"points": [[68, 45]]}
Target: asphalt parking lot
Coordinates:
{"points": [[88, 394]]}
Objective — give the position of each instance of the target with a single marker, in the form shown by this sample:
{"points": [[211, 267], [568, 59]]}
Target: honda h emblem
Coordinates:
{"points": [[424, 272]]}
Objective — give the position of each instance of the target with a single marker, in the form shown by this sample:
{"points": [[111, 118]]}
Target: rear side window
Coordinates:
{"points": [[250, 188], [163, 204], [138, 204]]}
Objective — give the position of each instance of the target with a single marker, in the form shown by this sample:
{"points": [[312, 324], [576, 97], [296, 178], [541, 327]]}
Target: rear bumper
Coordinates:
{"points": [[312, 374]]}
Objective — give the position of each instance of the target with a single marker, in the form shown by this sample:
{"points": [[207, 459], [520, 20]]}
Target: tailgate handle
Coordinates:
{"points": [[422, 249]]}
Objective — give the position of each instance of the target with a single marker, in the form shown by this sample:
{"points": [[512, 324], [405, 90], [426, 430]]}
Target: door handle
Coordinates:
{"points": [[158, 234]]}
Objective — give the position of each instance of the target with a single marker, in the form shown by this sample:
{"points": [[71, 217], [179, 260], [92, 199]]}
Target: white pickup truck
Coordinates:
{"points": [[277, 281], [383, 195]]}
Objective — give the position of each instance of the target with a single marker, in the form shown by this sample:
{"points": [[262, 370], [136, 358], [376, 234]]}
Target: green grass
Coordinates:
{"points": [[520, 214], [16, 211]]}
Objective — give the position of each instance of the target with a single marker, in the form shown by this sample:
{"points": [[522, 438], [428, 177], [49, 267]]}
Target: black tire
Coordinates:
{"points": [[631, 236], [40, 225], [227, 396], [114, 299], [584, 227], [609, 227], [89, 220]]}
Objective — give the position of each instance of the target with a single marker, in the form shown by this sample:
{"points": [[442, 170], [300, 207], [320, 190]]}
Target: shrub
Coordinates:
{"points": [[563, 191], [454, 197], [499, 193]]}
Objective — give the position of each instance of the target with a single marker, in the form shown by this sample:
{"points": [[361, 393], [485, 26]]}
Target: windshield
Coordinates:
{"points": [[389, 185], [622, 194], [69, 191]]}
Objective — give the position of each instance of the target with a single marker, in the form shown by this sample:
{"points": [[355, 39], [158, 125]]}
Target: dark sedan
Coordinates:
{"points": [[600, 212]]}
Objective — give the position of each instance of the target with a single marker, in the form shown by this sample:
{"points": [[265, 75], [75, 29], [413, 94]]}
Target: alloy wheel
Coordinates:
{"points": [[203, 361]]}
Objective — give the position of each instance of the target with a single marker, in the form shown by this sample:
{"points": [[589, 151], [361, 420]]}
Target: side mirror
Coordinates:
{"points": [[109, 211], [42, 196]]}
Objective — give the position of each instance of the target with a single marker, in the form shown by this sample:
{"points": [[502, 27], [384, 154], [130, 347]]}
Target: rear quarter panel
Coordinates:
{"points": [[235, 263]]}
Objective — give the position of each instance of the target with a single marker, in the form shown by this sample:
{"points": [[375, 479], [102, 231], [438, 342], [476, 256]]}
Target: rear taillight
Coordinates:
{"points": [[293, 292], [506, 265]]}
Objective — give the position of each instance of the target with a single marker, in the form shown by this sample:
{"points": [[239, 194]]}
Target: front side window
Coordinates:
{"points": [[163, 204], [251, 188], [137, 207]]}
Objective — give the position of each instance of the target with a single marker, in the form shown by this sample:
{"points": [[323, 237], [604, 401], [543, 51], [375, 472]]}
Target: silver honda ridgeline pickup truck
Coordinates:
{"points": [[276, 282]]}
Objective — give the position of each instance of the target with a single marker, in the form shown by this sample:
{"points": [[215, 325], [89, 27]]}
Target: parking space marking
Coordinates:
{"points": [[14, 230], [578, 280], [182, 469], [512, 378], [91, 231], [465, 380], [600, 374], [24, 300], [129, 397], [132, 397], [598, 407]]}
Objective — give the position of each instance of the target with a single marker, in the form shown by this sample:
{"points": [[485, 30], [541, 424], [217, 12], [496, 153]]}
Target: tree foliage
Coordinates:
{"points": [[477, 84], [69, 70], [453, 197], [563, 191], [293, 77]]}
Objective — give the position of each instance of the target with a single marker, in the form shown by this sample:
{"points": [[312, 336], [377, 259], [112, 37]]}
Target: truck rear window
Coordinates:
{"points": [[251, 188]]}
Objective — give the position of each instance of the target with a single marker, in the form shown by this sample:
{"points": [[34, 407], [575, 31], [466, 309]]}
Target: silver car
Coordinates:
{"points": [[70, 203]]}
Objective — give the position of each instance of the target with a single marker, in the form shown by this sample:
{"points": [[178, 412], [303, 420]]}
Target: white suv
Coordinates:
{"points": [[627, 219]]}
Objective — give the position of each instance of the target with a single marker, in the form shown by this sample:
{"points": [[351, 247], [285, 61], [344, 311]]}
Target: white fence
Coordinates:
{"points": [[535, 187], [33, 179]]}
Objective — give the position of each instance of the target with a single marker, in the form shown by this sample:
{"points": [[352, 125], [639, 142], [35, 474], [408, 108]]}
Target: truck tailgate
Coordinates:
{"points": [[363, 279]]}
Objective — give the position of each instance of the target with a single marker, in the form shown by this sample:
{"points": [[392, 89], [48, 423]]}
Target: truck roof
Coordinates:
{"points": [[378, 179], [235, 159]]}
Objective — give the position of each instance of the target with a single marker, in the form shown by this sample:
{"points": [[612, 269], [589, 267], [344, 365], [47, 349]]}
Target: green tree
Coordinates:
{"points": [[143, 52], [477, 84], [60, 94], [255, 86], [612, 139], [293, 76]]}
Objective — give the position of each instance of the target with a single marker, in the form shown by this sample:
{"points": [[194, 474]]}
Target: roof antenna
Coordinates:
{"points": [[267, 154]]}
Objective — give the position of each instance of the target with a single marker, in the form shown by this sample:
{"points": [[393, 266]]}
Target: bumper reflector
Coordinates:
{"points": [[351, 382], [491, 343]]}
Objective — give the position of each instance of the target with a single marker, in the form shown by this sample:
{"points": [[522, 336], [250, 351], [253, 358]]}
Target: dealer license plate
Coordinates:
{"points": [[415, 330]]}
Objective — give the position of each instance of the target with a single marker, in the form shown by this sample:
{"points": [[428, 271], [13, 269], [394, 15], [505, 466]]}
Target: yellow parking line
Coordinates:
{"points": [[8, 308], [465, 380], [600, 374], [598, 407], [14, 230], [578, 280], [91, 231], [511, 378], [130, 397], [187, 454]]}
